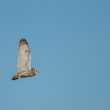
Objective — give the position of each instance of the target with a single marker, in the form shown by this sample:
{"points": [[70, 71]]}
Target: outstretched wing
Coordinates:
{"points": [[24, 56]]}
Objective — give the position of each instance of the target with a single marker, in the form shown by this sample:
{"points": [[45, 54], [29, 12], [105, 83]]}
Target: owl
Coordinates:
{"points": [[24, 61]]}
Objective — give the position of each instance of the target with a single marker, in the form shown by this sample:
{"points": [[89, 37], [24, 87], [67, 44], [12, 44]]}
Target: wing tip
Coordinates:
{"points": [[15, 77]]}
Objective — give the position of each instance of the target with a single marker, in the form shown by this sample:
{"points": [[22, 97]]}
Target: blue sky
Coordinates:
{"points": [[69, 41]]}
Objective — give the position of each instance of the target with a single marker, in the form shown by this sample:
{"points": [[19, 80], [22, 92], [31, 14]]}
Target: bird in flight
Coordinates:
{"points": [[24, 61]]}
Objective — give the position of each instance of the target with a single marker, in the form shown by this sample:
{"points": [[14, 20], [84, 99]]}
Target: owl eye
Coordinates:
{"points": [[23, 43]]}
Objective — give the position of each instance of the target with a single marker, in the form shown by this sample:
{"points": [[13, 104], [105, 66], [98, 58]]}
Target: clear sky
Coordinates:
{"points": [[70, 44]]}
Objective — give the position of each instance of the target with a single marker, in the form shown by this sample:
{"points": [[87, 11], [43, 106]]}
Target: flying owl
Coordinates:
{"points": [[24, 61]]}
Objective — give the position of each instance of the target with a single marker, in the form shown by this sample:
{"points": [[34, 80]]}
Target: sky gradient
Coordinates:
{"points": [[69, 41]]}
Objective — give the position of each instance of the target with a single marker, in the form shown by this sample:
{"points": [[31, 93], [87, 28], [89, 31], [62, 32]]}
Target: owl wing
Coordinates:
{"points": [[24, 56]]}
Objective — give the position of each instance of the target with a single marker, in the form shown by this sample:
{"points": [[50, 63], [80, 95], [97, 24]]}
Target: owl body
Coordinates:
{"points": [[24, 61]]}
